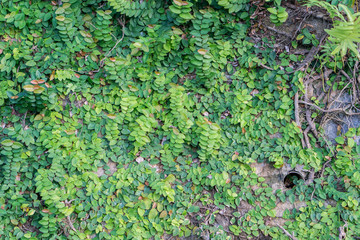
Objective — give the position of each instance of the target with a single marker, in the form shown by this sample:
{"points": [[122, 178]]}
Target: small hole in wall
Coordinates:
{"points": [[291, 178]]}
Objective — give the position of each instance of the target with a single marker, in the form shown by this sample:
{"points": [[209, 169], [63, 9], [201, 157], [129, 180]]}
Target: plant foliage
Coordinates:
{"points": [[141, 120]]}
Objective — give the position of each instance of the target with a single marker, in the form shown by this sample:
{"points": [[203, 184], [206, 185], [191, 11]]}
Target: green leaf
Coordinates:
{"points": [[153, 214], [272, 10], [7, 143], [186, 16], [30, 63], [193, 208], [340, 140]]}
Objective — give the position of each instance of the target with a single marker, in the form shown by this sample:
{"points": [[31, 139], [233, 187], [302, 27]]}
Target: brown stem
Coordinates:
{"points": [[287, 233]]}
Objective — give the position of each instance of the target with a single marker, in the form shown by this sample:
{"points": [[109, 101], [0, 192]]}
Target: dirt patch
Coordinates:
{"points": [[109, 169]]}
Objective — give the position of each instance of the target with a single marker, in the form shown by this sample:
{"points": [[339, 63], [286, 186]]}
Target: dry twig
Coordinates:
{"points": [[311, 123], [297, 115], [118, 41], [342, 233], [328, 110], [287, 233]]}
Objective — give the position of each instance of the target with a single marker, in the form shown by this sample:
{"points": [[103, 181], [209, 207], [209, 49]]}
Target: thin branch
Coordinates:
{"points": [[23, 122], [311, 123], [321, 175], [71, 224], [342, 233], [287, 233], [279, 32], [297, 116], [266, 67], [122, 37], [323, 110]]}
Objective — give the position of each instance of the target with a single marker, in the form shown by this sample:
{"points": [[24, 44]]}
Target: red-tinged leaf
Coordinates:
{"points": [[202, 51], [48, 85], [112, 59], [77, 75], [69, 132], [243, 130], [14, 97], [176, 131], [151, 25], [45, 210], [39, 89], [163, 214], [111, 116], [254, 92], [178, 2], [157, 73], [207, 121], [228, 180]]}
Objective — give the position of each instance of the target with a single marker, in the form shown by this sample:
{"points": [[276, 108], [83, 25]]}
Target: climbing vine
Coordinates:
{"points": [[142, 120]]}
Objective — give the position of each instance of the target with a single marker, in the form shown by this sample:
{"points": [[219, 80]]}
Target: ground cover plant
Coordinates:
{"points": [[144, 119]]}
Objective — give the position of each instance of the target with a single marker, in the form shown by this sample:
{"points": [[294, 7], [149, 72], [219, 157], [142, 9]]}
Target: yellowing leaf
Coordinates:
{"points": [[202, 51], [60, 18], [66, 5], [29, 88], [111, 116], [52, 75], [31, 212], [7, 142], [163, 214], [38, 89], [137, 44], [176, 131], [177, 31], [69, 132], [38, 117], [299, 37]]}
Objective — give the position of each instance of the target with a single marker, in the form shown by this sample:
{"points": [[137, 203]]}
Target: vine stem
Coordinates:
{"points": [[118, 41], [287, 233]]}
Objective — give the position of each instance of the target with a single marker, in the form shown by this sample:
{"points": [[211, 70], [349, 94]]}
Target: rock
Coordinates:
{"points": [[345, 121], [112, 168]]}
